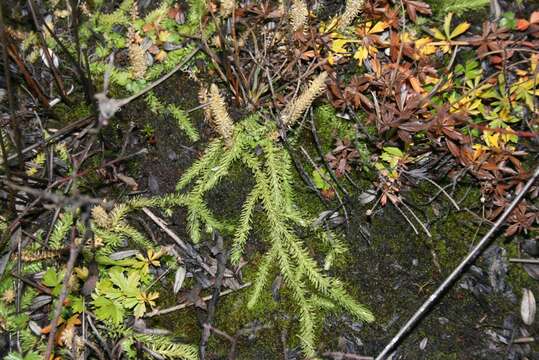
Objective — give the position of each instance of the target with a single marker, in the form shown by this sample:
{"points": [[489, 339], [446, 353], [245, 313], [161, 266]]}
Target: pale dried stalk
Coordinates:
{"points": [[353, 7], [100, 216], [137, 56], [221, 119], [299, 14], [297, 107], [227, 7], [203, 98]]}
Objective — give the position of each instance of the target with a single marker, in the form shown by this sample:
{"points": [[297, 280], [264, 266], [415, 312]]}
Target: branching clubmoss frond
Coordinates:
{"points": [[213, 150], [61, 229], [252, 146], [293, 111], [180, 115], [299, 13], [222, 121], [167, 349], [352, 9]]}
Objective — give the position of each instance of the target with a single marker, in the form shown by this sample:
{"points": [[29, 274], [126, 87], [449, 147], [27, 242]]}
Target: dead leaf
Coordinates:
{"points": [[423, 343], [527, 307], [161, 56], [148, 27], [129, 181], [178, 279]]}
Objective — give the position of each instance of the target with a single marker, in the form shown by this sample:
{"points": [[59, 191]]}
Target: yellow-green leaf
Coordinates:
{"points": [[378, 27], [438, 34], [361, 54], [338, 46], [447, 24], [460, 29]]}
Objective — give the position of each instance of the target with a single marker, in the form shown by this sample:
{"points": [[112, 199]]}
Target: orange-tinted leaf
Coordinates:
{"points": [[328, 194], [309, 54], [47, 329], [522, 25], [73, 321], [416, 85], [161, 56], [148, 27]]}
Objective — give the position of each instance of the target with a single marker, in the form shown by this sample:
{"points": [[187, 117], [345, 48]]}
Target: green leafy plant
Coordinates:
{"points": [[458, 7], [31, 355], [119, 292], [448, 34]]}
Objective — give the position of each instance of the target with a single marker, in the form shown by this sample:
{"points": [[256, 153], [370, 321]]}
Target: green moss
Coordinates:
{"points": [[69, 113], [329, 127], [517, 277]]}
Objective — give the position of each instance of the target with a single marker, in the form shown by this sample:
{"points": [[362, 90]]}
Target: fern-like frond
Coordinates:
{"points": [[108, 240], [214, 149], [252, 146], [244, 226], [261, 279], [181, 117], [61, 229], [140, 202], [183, 122], [133, 234], [117, 214], [168, 349], [159, 13], [460, 7]]}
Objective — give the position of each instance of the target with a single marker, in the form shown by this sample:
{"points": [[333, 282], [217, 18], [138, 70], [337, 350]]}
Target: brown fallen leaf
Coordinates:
{"points": [[128, 180]]}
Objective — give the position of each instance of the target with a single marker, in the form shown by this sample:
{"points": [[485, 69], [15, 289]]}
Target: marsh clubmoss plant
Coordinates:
{"points": [[352, 9], [252, 146], [293, 111], [299, 14]]}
